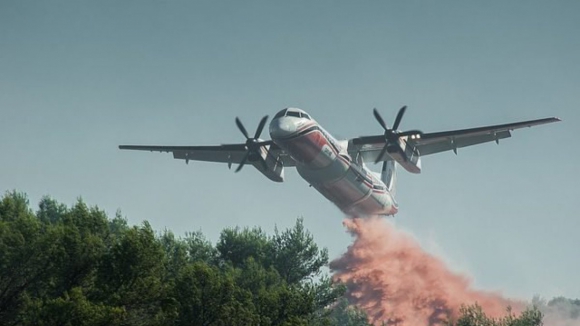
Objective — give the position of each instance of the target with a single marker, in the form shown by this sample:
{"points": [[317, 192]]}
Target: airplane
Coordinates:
{"points": [[337, 168]]}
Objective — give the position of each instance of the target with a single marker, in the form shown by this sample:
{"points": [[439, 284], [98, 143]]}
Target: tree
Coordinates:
{"points": [[207, 296], [71, 309], [295, 254], [176, 255], [474, 316], [80, 242], [344, 314], [199, 248], [235, 246], [131, 276], [558, 310], [27, 251], [50, 211]]}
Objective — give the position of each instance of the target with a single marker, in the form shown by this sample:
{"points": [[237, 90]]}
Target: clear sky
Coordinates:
{"points": [[78, 78]]}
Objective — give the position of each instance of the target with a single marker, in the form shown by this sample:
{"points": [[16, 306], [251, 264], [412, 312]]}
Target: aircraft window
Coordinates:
{"points": [[280, 114], [304, 115], [293, 114]]}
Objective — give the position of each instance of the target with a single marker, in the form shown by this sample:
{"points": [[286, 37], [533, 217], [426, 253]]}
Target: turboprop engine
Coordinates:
{"points": [[258, 153], [396, 144], [406, 155]]}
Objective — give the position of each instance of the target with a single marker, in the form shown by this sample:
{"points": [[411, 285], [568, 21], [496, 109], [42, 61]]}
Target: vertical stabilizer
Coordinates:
{"points": [[389, 175]]}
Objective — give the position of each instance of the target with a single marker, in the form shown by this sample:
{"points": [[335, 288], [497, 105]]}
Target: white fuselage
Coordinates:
{"points": [[325, 164]]}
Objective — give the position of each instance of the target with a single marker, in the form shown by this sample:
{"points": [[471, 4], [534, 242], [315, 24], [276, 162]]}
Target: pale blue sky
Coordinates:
{"points": [[78, 78]]}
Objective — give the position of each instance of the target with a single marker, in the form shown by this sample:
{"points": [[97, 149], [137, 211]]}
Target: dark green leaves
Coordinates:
{"points": [[75, 266]]}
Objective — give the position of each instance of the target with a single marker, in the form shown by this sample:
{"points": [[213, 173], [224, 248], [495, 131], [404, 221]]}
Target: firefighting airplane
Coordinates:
{"points": [[336, 168]]}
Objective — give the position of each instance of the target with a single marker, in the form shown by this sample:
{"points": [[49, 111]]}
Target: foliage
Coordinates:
{"points": [[75, 266], [565, 308], [346, 315], [474, 316]]}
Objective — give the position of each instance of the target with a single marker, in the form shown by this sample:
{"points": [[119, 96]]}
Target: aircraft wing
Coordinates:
{"points": [[429, 143], [228, 153]]}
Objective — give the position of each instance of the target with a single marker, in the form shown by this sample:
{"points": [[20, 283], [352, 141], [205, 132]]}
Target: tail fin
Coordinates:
{"points": [[389, 175]]}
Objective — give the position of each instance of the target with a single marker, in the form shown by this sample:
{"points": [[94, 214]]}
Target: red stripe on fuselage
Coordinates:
{"points": [[308, 146]]}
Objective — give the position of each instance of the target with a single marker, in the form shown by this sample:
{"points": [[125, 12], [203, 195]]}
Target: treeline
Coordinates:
{"points": [[75, 266]]}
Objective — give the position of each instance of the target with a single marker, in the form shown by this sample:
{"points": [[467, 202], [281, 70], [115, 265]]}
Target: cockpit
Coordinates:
{"points": [[291, 112], [286, 122]]}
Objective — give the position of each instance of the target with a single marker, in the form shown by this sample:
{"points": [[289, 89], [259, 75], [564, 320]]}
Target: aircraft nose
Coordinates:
{"points": [[282, 127]]}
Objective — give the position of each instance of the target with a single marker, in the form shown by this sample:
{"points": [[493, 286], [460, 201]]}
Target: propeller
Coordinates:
{"points": [[253, 145], [392, 135]]}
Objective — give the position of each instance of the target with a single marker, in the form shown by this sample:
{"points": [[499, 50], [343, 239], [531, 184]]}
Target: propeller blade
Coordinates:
{"points": [[379, 119], [260, 127], [399, 117], [409, 133], [383, 151], [244, 159], [241, 127]]}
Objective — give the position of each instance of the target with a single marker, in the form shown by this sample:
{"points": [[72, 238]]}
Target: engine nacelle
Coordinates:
{"points": [[406, 155], [275, 166]]}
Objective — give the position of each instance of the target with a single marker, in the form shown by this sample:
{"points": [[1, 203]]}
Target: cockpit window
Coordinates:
{"points": [[280, 114], [290, 113]]}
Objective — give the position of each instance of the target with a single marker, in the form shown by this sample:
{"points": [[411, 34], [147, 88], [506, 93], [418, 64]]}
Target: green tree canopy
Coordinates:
{"points": [[75, 266]]}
